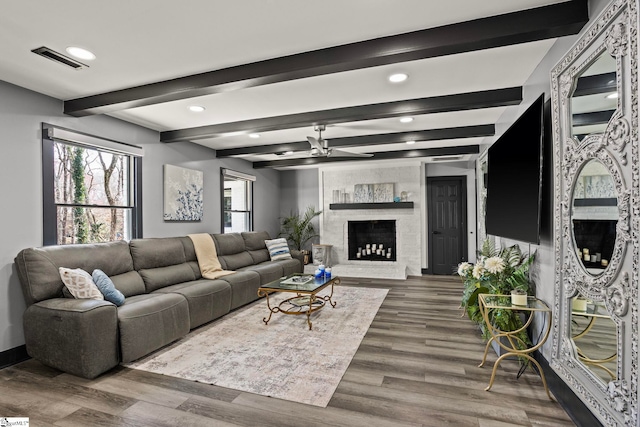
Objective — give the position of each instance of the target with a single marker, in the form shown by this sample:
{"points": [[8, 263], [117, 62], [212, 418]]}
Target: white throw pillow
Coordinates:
{"points": [[278, 249], [80, 283]]}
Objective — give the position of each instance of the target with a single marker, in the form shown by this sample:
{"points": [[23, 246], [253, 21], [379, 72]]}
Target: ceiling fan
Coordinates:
{"points": [[320, 147]]}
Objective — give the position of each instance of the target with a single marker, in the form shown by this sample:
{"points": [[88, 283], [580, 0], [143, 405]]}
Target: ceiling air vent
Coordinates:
{"points": [[59, 58], [446, 158]]}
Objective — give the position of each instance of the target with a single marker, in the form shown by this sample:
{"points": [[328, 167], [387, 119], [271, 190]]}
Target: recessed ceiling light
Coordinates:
{"points": [[613, 95], [398, 77], [196, 108], [406, 119], [254, 135], [411, 142], [81, 53]]}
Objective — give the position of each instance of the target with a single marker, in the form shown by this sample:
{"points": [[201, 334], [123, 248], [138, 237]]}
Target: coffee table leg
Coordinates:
{"points": [[271, 310], [328, 298], [312, 298]]}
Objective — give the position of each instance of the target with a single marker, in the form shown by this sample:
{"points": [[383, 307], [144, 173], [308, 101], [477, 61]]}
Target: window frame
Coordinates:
{"points": [[237, 176], [49, 205]]}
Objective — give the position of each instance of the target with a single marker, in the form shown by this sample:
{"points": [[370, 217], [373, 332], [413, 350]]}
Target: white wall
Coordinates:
{"points": [[21, 114]]}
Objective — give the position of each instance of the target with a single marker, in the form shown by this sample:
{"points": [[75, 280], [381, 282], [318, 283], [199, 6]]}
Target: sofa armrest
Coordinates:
{"points": [[78, 336], [296, 254]]}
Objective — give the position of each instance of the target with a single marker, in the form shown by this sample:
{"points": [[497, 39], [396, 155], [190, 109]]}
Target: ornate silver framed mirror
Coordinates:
{"points": [[597, 214]]}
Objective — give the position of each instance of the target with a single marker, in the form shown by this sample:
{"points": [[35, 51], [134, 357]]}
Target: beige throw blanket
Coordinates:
{"points": [[210, 267]]}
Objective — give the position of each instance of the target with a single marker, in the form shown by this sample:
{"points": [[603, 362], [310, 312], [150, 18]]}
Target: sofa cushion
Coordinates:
{"points": [[254, 244], [129, 283], [190, 255], [278, 249], [156, 278], [107, 288], [231, 251], [157, 252], [244, 287], [150, 321], [80, 283], [228, 244], [38, 267], [208, 299], [268, 271], [290, 266]]}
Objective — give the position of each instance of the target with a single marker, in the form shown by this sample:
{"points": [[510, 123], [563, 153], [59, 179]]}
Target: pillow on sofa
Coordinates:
{"points": [[80, 283], [107, 288], [278, 249]]}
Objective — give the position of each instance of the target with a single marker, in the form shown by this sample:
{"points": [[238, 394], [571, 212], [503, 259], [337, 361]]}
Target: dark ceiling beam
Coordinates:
{"points": [[436, 104], [545, 22], [598, 83], [594, 118], [386, 155], [379, 139]]}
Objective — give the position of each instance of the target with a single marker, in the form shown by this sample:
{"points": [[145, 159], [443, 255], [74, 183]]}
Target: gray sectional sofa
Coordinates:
{"points": [[166, 296]]}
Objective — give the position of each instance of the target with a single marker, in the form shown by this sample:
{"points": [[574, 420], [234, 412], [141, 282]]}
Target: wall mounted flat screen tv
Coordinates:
{"points": [[514, 178]]}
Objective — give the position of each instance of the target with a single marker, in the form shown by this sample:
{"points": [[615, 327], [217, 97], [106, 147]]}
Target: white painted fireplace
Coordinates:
{"points": [[408, 221]]}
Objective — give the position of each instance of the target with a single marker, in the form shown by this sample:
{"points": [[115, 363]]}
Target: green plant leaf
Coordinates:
{"points": [[298, 229]]}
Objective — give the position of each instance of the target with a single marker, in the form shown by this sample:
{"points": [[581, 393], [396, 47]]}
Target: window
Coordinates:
{"points": [[91, 188], [237, 201]]}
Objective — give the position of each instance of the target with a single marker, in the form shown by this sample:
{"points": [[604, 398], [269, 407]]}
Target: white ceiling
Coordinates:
{"points": [[145, 41]]}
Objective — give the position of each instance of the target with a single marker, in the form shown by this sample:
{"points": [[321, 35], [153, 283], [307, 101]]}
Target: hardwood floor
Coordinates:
{"points": [[417, 366]]}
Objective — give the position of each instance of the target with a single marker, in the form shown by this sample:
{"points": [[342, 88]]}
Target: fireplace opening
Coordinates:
{"points": [[598, 237], [373, 240]]}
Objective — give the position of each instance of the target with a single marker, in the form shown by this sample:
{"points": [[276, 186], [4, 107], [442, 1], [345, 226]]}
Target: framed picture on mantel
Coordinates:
{"points": [[382, 193], [373, 193], [363, 193]]}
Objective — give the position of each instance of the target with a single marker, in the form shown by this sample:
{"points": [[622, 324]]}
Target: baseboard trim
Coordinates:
{"points": [[13, 356], [573, 406]]}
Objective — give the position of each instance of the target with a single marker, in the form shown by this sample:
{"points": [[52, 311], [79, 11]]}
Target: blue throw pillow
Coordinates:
{"points": [[278, 249], [107, 288]]}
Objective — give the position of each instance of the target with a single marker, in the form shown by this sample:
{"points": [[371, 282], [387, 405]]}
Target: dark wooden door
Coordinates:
{"points": [[447, 214]]}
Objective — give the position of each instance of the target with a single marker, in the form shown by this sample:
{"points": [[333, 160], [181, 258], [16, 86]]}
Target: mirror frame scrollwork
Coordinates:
{"points": [[614, 32]]}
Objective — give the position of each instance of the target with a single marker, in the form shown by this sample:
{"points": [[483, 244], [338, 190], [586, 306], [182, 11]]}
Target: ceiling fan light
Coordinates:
{"points": [[398, 77], [406, 119], [196, 108]]}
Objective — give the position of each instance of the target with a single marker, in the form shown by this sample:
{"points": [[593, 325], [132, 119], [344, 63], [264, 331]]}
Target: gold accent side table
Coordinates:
{"points": [[511, 342]]}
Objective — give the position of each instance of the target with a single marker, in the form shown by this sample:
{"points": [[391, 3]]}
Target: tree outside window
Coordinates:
{"points": [[92, 196]]}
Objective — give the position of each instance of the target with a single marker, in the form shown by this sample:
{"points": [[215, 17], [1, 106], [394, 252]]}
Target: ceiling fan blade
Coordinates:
{"points": [[315, 144], [341, 153]]}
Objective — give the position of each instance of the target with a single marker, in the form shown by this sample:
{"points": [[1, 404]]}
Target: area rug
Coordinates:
{"points": [[283, 359]]}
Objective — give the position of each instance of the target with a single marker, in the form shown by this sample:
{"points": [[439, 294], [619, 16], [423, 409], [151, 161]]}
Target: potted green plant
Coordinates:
{"points": [[498, 271], [299, 229]]}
